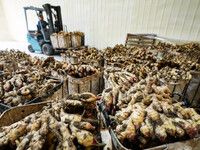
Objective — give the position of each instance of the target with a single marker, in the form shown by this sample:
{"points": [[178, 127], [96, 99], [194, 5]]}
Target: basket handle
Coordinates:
{"points": [[186, 101]]}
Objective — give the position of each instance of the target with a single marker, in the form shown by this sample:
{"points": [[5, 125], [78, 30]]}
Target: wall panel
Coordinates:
{"points": [[106, 22], [4, 32]]}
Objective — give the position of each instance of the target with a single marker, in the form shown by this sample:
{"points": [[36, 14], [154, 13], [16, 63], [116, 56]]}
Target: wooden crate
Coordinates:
{"points": [[189, 144], [17, 113], [69, 59], [72, 59], [65, 82], [179, 86], [93, 83], [76, 40], [54, 40], [63, 57], [139, 40], [64, 41], [143, 40], [189, 88], [57, 95]]}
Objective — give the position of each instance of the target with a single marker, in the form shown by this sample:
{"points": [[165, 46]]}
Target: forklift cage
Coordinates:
{"points": [[48, 9]]}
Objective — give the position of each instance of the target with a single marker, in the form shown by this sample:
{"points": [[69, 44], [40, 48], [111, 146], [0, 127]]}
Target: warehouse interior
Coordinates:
{"points": [[106, 23], [99, 75]]}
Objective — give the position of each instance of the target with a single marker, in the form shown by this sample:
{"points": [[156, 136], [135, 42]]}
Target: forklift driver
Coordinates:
{"points": [[41, 22]]}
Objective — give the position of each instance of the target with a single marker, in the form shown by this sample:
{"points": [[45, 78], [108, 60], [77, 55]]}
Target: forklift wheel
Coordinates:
{"points": [[30, 48], [47, 49]]}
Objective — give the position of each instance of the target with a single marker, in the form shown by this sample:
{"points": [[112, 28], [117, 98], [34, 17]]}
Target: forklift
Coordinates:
{"points": [[40, 40]]}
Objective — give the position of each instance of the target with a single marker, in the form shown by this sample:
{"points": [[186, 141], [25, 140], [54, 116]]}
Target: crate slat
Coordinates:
{"points": [[54, 40], [57, 95], [64, 41], [139, 45], [76, 40], [65, 88], [85, 87], [137, 40], [145, 34], [93, 83], [140, 40]]}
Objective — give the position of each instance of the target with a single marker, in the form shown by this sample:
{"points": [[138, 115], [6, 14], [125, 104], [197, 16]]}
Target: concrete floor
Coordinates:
{"points": [[23, 46]]}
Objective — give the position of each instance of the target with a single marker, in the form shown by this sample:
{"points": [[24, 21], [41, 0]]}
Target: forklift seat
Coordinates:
{"points": [[47, 34]]}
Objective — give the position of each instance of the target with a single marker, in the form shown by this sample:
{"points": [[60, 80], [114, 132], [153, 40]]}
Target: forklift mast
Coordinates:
{"points": [[58, 22], [40, 41]]}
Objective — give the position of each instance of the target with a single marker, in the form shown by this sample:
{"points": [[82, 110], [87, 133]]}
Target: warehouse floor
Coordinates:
{"points": [[22, 46]]}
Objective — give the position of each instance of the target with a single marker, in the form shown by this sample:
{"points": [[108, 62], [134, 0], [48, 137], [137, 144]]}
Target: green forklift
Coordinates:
{"points": [[40, 39]]}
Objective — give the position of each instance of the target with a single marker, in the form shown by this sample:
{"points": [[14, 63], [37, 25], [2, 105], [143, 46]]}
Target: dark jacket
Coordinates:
{"points": [[44, 25]]}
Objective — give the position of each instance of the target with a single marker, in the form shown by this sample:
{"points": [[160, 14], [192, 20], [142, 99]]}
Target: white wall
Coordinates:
{"points": [[4, 31], [106, 22]]}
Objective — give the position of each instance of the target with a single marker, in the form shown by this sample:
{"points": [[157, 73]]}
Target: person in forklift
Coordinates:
{"points": [[41, 22]]}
